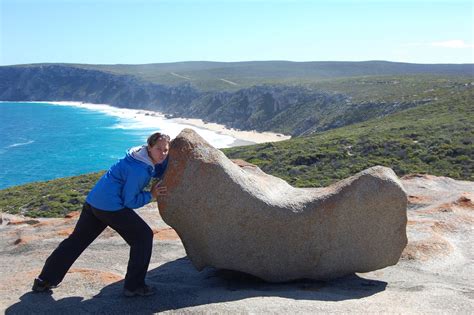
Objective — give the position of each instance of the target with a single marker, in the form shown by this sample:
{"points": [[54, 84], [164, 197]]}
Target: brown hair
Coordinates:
{"points": [[154, 138]]}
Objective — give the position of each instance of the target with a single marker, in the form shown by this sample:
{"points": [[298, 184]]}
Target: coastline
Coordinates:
{"points": [[240, 137], [244, 136]]}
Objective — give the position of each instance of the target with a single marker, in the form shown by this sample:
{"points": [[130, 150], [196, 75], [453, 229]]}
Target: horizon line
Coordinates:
{"points": [[240, 61]]}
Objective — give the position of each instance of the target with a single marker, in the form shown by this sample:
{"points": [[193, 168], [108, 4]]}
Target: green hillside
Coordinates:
{"points": [[53, 198], [212, 76], [435, 138], [346, 101]]}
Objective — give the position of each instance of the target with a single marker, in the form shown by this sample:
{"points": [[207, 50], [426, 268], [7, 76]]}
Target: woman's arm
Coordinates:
{"points": [[133, 195]]}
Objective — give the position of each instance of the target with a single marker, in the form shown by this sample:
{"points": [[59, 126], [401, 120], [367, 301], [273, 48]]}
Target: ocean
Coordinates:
{"points": [[41, 141]]}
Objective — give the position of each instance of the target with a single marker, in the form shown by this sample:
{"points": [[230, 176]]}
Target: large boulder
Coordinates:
{"points": [[237, 217]]}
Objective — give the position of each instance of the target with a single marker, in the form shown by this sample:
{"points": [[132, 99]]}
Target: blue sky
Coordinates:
{"points": [[151, 31]]}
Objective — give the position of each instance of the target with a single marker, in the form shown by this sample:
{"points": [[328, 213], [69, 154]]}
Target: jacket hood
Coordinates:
{"points": [[140, 153]]}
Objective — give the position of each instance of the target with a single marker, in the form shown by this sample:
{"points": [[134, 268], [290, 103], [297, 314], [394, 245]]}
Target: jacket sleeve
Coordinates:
{"points": [[133, 194]]}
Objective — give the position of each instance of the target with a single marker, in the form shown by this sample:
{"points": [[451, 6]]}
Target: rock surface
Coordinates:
{"points": [[431, 277], [236, 217]]}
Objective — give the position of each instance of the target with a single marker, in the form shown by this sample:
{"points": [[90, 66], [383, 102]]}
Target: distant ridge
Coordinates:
{"points": [[248, 73]]}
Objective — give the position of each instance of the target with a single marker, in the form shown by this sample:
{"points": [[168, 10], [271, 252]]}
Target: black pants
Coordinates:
{"points": [[91, 223]]}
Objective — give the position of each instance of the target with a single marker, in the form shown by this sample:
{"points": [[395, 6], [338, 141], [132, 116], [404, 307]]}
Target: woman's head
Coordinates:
{"points": [[158, 147]]}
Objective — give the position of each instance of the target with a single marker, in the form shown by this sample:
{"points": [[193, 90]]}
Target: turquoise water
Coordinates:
{"points": [[41, 141]]}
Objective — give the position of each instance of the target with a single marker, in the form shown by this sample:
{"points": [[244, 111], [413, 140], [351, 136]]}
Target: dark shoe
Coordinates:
{"points": [[142, 291], [42, 286]]}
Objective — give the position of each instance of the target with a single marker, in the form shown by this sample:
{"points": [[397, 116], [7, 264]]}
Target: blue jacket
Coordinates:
{"points": [[122, 186]]}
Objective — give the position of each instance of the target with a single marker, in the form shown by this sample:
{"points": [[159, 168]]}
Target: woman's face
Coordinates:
{"points": [[159, 151]]}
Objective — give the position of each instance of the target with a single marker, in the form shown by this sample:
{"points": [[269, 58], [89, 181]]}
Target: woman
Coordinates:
{"points": [[110, 203]]}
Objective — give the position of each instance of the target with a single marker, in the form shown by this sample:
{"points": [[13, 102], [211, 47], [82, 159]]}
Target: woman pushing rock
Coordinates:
{"points": [[111, 203]]}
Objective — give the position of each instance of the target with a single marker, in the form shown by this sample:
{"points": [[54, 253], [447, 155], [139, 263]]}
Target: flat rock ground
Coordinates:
{"points": [[434, 275]]}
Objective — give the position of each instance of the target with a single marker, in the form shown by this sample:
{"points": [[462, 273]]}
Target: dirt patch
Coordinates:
{"points": [[421, 224], [51, 222], [108, 233], [429, 248], [65, 232], [166, 234], [444, 207], [19, 279], [424, 176], [465, 201], [412, 199], [72, 215], [25, 240], [96, 276], [28, 239], [26, 221], [25, 279], [442, 227], [243, 163]]}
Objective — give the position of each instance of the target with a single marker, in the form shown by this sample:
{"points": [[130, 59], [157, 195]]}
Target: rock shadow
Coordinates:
{"points": [[180, 286]]}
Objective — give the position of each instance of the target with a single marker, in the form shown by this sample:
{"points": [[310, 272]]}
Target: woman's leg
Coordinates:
{"points": [[87, 229], [139, 236]]}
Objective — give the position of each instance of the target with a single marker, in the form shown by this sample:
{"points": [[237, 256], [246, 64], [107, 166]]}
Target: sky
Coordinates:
{"points": [[156, 31]]}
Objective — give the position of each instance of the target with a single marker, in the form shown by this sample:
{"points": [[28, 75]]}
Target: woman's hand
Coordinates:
{"points": [[158, 190]]}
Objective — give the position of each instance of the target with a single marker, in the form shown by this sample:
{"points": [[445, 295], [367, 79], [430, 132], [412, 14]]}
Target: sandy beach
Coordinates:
{"points": [[245, 136], [150, 118]]}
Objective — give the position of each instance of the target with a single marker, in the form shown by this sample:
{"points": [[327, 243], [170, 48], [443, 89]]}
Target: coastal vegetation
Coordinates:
{"points": [[344, 117], [432, 138], [233, 76], [53, 198], [312, 97], [435, 139]]}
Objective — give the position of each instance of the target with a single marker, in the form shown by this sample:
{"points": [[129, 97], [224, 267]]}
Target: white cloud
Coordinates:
{"points": [[455, 43]]}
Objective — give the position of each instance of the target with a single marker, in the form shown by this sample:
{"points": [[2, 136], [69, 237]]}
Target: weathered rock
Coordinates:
{"points": [[239, 218]]}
